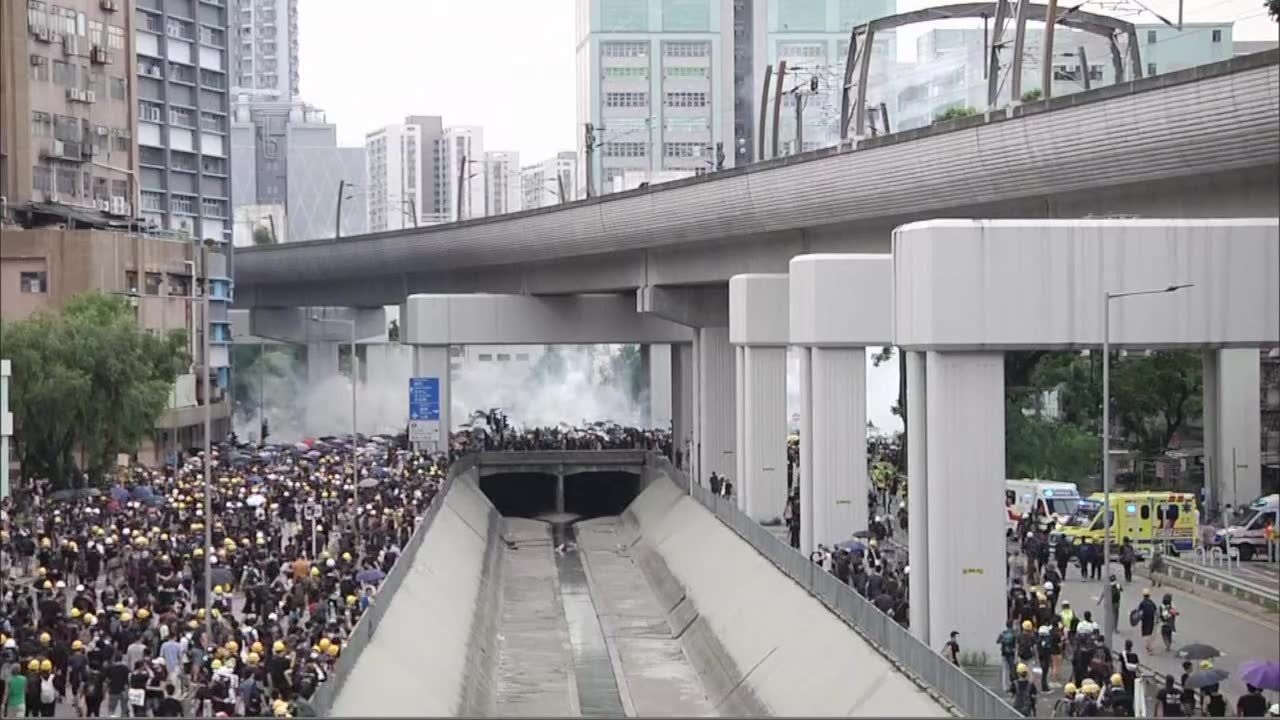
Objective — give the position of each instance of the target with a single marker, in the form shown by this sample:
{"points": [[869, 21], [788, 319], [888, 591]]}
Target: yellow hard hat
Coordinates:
{"points": [[346, 556], [198, 552], [1026, 625], [256, 647], [143, 613], [75, 613], [126, 616], [351, 599], [44, 542], [1069, 689], [41, 572], [1116, 680], [1091, 689], [200, 613], [46, 665], [220, 653], [315, 648], [1022, 668], [89, 619], [217, 589], [333, 650], [44, 638], [217, 613], [324, 643], [77, 646], [233, 646], [1205, 664], [252, 658], [47, 585], [217, 664], [315, 572], [277, 646], [34, 666]]}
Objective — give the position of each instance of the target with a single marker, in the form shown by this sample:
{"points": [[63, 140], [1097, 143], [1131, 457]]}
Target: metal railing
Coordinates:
{"points": [[925, 665], [362, 634]]}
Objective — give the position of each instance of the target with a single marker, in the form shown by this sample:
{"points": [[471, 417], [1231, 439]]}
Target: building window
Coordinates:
{"points": [[686, 49], [485, 357], [96, 29], [153, 283], [638, 71], [39, 68], [1151, 37], [179, 29], [523, 357], [685, 150], [685, 99], [695, 71], [212, 79], [1217, 36], [625, 149], [181, 116], [686, 124], [117, 88], [213, 208], [152, 201], [504, 357], [120, 188], [626, 99], [212, 36], [40, 179], [1095, 72], [130, 281], [802, 50], [211, 122], [41, 124], [115, 37], [34, 282], [624, 49], [120, 141], [1151, 69], [182, 204]]}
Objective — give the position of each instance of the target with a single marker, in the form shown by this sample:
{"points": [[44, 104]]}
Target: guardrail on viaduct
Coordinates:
{"points": [[925, 665]]}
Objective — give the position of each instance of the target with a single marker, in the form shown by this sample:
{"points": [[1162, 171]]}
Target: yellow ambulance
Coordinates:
{"points": [[1148, 519]]}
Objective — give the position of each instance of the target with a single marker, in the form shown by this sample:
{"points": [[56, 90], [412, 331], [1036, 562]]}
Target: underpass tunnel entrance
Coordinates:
{"points": [[521, 494], [599, 494]]}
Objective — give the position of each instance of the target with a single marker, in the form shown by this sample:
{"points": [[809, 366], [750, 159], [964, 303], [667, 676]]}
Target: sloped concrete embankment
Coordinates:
{"points": [[432, 653], [761, 644]]}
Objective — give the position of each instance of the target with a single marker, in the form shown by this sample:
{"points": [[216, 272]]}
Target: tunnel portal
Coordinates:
{"points": [[585, 494]]}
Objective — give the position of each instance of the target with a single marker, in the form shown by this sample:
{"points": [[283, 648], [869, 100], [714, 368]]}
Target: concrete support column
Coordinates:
{"points": [[660, 386], [322, 367], [433, 361], [918, 496], [682, 394], [1232, 426], [715, 402], [740, 472], [560, 490], [806, 451], [838, 473], [964, 411], [763, 440]]}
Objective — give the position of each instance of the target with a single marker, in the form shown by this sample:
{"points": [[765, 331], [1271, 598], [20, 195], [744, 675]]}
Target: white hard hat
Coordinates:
{"points": [[1048, 585]]}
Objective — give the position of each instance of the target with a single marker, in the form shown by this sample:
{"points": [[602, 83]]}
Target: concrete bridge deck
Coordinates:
{"points": [[560, 462]]}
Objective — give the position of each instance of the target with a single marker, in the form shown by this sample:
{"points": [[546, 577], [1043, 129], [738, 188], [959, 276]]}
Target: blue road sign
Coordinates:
{"points": [[424, 398]]}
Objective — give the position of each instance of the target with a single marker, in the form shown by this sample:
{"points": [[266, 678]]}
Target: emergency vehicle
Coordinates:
{"points": [[1248, 527], [1148, 519]]}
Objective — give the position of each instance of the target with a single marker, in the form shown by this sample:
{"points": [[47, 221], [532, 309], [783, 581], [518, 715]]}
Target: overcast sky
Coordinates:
{"points": [[508, 64]]}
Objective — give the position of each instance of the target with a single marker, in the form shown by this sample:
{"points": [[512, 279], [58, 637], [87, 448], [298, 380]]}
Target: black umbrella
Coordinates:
{"points": [[1204, 678], [1199, 651], [221, 576]]}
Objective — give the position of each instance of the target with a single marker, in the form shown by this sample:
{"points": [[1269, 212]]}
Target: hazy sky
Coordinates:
{"points": [[508, 64]]}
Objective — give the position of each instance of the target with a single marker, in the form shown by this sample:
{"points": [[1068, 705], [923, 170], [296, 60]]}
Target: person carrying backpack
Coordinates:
{"points": [[1008, 643], [1023, 692]]}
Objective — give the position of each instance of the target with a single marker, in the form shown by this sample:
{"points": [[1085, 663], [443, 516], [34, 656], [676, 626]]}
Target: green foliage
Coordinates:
{"points": [[393, 331], [265, 375], [88, 384], [625, 368], [1032, 95], [262, 235], [955, 113], [1042, 448], [1273, 7]]}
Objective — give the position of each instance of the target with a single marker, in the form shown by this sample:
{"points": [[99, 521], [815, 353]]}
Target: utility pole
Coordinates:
{"points": [[884, 117], [799, 148], [764, 109], [413, 210], [1046, 65], [777, 104], [1084, 67], [337, 221], [560, 186], [462, 179], [589, 142], [275, 239], [719, 156]]}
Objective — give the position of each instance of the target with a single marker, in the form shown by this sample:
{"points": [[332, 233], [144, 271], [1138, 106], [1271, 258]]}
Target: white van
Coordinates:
{"points": [[1050, 499], [1247, 527]]}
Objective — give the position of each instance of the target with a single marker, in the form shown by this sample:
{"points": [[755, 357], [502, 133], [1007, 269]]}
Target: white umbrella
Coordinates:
{"points": [[255, 500]]}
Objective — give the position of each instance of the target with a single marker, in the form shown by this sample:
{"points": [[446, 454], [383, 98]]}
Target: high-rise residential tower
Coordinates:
{"points": [[502, 190], [461, 171], [404, 186], [266, 34], [549, 182]]}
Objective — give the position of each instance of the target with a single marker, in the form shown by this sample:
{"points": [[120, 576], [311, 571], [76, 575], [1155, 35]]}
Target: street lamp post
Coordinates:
{"points": [[355, 378], [1107, 514]]}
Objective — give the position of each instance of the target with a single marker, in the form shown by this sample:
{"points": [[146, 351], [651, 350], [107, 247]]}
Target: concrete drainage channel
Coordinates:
{"points": [[592, 669]]}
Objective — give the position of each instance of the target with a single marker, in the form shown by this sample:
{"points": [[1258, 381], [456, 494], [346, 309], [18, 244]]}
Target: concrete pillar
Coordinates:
{"points": [[660, 414], [740, 472], [838, 473], [560, 490], [1232, 425], [322, 367], [433, 361], [322, 361], [918, 496], [763, 442], [966, 558], [682, 394], [715, 402], [806, 451]]}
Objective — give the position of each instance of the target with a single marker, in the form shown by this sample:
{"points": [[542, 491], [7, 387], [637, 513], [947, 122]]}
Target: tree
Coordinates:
{"points": [[393, 331], [1273, 7], [625, 368], [955, 113], [89, 384], [262, 235], [900, 408], [1033, 95]]}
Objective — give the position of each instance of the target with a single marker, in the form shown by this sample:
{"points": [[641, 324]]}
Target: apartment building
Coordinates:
{"points": [[460, 172], [44, 267], [68, 103], [266, 36], [503, 192], [184, 116], [549, 182]]}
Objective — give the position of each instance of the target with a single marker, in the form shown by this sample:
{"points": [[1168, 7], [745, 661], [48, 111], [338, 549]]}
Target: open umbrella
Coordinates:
{"points": [[368, 482], [370, 576], [1198, 651], [1204, 678], [255, 500], [1263, 674], [221, 576], [850, 545], [119, 494]]}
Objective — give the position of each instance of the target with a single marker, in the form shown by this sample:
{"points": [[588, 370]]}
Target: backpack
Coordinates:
{"points": [[1022, 701], [47, 693], [1008, 643]]}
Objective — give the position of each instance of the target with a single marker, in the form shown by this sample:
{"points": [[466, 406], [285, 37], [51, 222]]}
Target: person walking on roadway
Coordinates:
{"points": [[1147, 612]]}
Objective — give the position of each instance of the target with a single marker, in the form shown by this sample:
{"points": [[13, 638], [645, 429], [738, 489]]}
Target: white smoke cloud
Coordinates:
{"points": [[882, 392]]}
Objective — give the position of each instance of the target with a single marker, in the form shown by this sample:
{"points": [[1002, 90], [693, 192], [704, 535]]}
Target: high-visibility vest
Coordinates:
{"points": [[1067, 616]]}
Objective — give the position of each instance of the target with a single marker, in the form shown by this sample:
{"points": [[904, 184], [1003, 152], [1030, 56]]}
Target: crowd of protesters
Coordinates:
{"points": [[493, 430], [102, 610]]}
